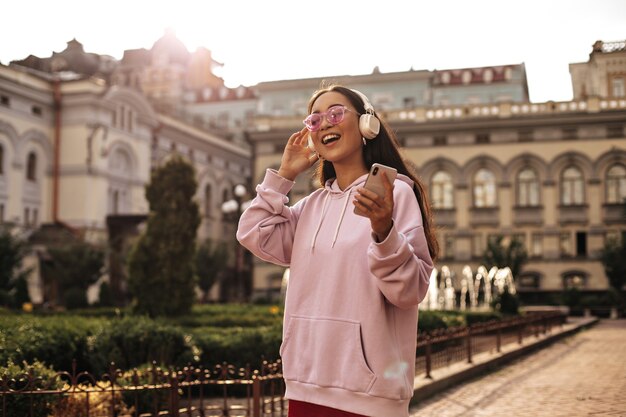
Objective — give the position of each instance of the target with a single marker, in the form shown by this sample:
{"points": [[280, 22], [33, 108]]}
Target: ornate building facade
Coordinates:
{"points": [[551, 174], [77, 147], [80, 133]]}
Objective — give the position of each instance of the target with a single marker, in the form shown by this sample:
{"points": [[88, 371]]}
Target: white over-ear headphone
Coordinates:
{"points": [[369, 125]]}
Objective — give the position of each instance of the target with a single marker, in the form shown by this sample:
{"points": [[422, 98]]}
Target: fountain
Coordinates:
{"points": [[441, 293]]}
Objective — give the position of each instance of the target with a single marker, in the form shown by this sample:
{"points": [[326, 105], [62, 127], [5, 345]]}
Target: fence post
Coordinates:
{"points": [[174, 408], [256, 395], [428, 357], [469, 344], [499, 338]]}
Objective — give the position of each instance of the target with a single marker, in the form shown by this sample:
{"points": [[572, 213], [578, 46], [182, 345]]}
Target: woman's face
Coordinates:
{"points": [[339, 143]]}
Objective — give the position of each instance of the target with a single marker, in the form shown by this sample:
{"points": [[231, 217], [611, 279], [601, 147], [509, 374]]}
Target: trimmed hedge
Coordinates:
{"points": [[236, 334]]}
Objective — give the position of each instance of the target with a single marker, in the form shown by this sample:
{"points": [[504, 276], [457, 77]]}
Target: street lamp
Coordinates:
{"points": [[232, 210]]}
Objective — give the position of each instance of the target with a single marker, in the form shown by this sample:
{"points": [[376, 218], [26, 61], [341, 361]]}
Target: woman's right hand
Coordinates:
{"points": [[297, 156]]}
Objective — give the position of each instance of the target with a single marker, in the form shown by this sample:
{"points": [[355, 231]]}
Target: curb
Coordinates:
{"points": [[443, 379]]}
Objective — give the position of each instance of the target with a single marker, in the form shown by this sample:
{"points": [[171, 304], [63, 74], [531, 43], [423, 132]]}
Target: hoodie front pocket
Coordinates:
{"points": [[327, 353]]}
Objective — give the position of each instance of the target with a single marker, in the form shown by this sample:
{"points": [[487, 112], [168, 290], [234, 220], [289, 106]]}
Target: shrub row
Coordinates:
{"points": [[238, 335]]}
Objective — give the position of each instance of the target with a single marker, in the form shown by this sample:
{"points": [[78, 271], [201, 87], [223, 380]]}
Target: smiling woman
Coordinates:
{"points": [[349, 332]]}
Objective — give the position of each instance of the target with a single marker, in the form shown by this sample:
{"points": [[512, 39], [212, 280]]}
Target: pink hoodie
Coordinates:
{"points": [[350, 325]]}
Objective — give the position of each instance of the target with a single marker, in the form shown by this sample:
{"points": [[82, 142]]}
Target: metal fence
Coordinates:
{"points": [[442, 348], [221, 391], [226, 390]]}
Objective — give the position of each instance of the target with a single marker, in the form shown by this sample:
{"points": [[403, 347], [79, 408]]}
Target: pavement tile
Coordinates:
{"points": [[582, 375]]}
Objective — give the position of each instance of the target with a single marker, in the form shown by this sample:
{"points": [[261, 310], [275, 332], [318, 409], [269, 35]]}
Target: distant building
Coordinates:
{"points": [[77, 147], [551, 174], [80, 132], [604, 75]]}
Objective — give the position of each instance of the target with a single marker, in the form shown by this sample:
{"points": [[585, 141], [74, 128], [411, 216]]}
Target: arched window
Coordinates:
{"points": [[442, 190], [31, 167], [572, 187], [527, 188], [1, 160], [207, 200], [225, 195], [484, 188], [574, 280], [616, 184]]}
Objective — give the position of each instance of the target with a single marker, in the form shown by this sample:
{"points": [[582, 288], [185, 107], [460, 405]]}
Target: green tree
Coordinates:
{"points": [[161, 265], [73, 268], [211, 259], [500, 254], [613, 257], [12, 277]]}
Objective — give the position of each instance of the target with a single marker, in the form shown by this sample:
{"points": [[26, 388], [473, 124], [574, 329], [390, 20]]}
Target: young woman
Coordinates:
{"points": [[360, 263]]}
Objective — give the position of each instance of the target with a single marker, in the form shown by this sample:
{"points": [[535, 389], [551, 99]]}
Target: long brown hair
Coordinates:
{"points": [[383, 149]]}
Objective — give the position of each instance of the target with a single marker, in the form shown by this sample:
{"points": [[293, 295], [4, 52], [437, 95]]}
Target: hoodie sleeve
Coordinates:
{"points": [[401, 263], [266, 228]]}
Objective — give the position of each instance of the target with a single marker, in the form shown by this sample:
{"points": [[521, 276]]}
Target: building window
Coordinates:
{"points": [[478, 248], [1, 213], [581, 244], [525, 136], [440, 140], [527, 188], [36, 110], [537, 245], [530, 281], [614, 132], [1, 160], [574, 280], [484, 188], [31, 167], [572, 187], [569, 133], [5, 100], [409, 102], [442, 190], [207, 200], [448, 246], [482, 138], [565, 244], [615, 184], [26, 217], [617, 89]]}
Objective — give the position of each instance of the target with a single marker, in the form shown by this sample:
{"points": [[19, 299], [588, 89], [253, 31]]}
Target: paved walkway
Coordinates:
{"points": [[582, 375]]}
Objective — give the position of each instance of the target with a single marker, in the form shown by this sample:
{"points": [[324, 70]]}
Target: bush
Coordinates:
{"points": [[40, 377], [133, 341], [506, 303], [53, 340], [238, 346]]}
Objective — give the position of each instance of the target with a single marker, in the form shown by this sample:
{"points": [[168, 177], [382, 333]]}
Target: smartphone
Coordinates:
{"points": [[374, 181]]}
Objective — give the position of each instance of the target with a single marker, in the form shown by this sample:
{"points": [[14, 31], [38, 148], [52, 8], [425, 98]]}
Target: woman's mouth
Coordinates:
{"points": [[330, 138]]}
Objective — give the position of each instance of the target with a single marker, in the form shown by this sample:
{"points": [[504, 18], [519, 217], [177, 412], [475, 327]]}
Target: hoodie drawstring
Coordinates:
{"points": [[343, 211], [319, 224]]}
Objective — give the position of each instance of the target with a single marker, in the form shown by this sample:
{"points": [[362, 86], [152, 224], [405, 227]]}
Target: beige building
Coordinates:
{"points": [[552, 174], [80, 132], [77, 151]]}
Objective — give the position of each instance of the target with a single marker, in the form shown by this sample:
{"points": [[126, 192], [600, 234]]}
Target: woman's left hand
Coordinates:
{"points": [[378, 209]]}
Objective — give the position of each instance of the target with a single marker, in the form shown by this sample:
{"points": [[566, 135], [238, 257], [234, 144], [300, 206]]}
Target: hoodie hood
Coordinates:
{"points": [[332, 190]]}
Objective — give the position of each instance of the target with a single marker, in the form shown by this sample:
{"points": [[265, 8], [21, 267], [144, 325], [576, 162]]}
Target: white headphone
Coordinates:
{"points": [[369, 125]]}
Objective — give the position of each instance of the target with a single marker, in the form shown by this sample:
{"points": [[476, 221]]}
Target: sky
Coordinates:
{"points": [[268, 40]]}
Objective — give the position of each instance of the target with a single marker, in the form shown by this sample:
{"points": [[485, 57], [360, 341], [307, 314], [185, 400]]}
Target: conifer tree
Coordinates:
{"points": [[161, 265]]}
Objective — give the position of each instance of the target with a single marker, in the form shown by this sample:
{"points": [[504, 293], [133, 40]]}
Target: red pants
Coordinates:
{"points": [[302, 409]]}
